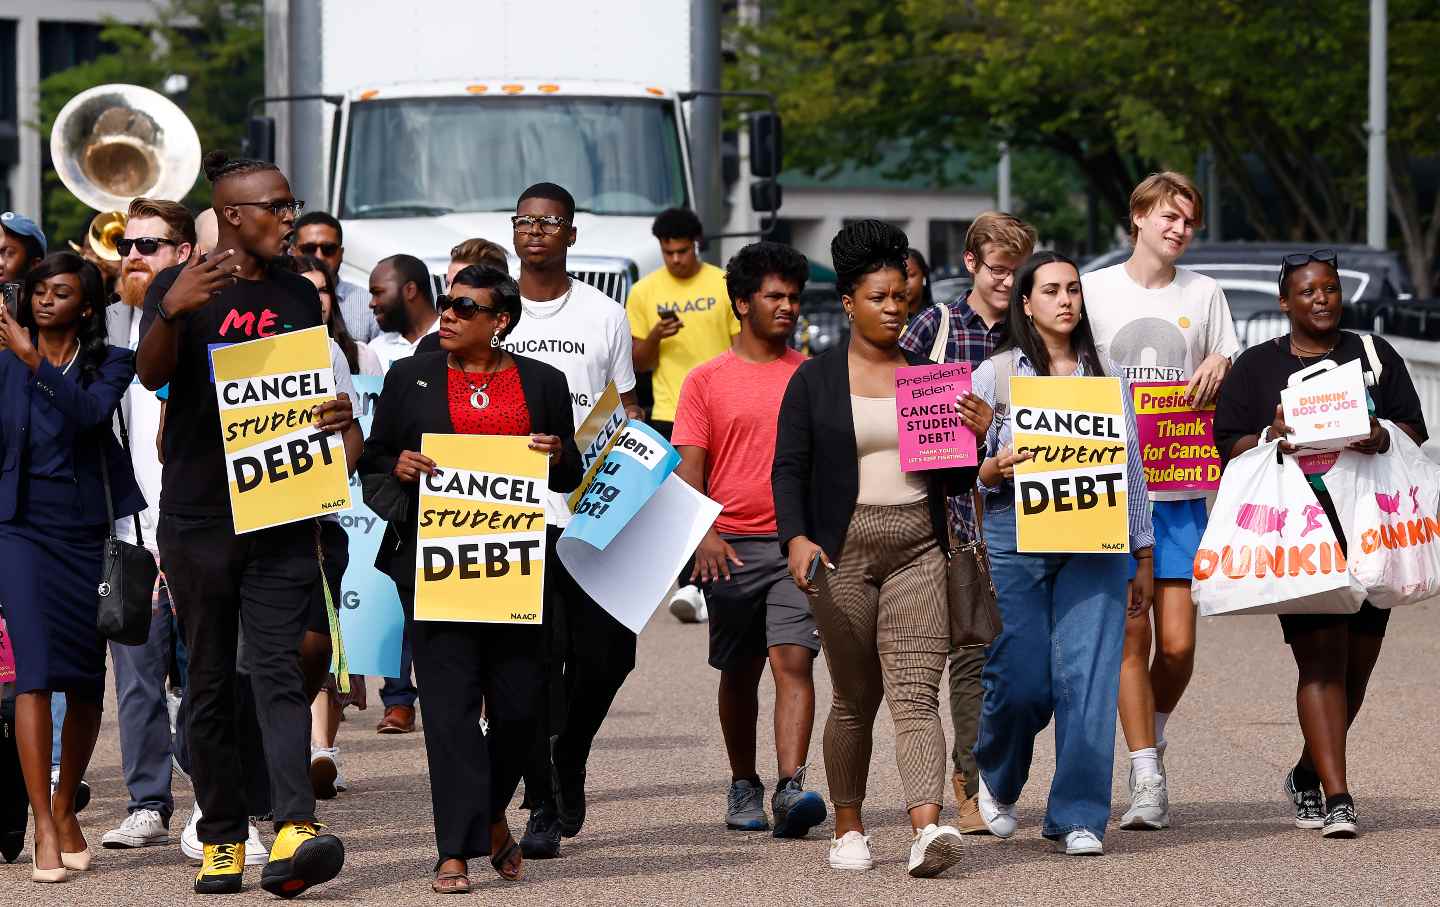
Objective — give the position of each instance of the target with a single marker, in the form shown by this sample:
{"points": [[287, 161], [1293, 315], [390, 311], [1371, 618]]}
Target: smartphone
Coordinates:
{"points": [[12, 299], [667, 315], [813, 570]]}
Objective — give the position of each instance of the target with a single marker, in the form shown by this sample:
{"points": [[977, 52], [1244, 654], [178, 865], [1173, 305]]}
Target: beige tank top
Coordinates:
{"points": [[877, 441]]}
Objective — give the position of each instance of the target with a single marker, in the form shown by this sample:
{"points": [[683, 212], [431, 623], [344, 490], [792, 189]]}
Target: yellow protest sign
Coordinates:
{"points": [[596, 435], [1071, 497], [280, 467], [480, 551]]}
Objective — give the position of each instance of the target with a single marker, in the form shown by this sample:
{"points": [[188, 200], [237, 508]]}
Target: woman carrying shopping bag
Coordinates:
{"points": [[1335, 653], [1063, 614]]}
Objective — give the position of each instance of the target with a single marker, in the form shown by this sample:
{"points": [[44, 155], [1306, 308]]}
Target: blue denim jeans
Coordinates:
{"points": [[1058, 654]]}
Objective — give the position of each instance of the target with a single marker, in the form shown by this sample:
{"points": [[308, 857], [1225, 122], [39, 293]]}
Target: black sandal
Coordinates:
{"points": [[501, 861]]}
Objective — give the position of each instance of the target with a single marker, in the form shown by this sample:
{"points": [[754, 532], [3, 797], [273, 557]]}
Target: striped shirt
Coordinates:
{"points": [[1142, 532]]}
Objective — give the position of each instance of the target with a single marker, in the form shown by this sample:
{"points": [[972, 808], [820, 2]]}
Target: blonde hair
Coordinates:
{"points": [[480, 252], [1163, 187], [174, 214], [1007, 232]]}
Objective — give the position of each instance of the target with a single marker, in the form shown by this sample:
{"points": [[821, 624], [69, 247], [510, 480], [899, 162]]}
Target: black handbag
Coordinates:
{"points": [[127, 573], [974, 611]]}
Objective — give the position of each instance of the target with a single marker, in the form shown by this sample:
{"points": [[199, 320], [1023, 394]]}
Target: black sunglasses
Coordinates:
{"points": [[148, 245], [1301, 259], [465, 307], [319, 248]]}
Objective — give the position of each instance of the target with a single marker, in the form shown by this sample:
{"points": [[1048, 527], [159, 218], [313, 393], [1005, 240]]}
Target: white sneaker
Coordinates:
{"points": [[935, 849], [851, 851], [325, 771], [999, 817], [688, 605], [142, 828], [1081, 843], [1149, 805], [172, 707], [255, 851]]}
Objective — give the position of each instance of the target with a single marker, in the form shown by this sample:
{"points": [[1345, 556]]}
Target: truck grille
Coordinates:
{"points": [[615, 284]]}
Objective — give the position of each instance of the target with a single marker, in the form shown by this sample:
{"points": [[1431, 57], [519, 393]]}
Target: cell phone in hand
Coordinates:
{"points": [[11, 292], [813, 570], [667, 315]]}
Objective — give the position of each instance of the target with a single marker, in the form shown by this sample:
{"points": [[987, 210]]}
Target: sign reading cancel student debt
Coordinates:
{"points": [[281, 468], [1071, 496], [480, 552]]}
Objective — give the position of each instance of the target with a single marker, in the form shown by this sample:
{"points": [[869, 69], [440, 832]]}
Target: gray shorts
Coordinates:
{"points": [[758, 607]]}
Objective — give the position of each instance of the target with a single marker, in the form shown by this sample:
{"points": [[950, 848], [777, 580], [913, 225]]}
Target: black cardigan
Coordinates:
{"points": [[415, 400], [816, 473]]}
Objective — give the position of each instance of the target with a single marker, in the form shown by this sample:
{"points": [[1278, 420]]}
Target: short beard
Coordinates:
{"points": [[132, 292]]}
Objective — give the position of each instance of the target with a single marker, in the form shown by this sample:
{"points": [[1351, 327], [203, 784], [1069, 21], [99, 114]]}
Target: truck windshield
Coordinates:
{"points": [[430, 156]]}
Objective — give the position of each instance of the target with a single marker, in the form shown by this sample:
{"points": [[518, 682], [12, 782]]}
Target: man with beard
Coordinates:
{"points": [[402, 296], [265, 578], [158, 234]]}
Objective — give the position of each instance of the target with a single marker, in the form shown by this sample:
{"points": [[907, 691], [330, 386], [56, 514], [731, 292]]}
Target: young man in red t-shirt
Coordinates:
{"points": [[725, 432]]}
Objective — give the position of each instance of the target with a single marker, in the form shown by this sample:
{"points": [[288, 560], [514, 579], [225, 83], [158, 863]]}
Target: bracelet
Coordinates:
{"points": [[160, 310]]}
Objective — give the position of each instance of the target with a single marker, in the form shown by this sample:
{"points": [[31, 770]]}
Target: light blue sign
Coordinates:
{"points": [[634, 469]]}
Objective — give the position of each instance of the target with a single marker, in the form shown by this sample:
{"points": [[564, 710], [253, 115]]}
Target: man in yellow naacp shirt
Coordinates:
{"points": [[680, 315]]}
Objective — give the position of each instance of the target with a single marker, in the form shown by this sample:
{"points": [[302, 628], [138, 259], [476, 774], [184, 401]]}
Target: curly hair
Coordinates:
{"points": [[677, 223], [90, 331], [865, 247], [748, 268]]}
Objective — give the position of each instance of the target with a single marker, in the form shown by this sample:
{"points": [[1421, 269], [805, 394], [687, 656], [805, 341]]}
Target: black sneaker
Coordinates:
{"points": [[745, 807], [541, 840], [1340, 822], [572, 804], [796, 809], [1309, 803]]}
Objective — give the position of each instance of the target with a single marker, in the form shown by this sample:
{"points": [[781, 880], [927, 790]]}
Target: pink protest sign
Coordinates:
{"points": [[7, 655], [931, 433], [1177, 441]]}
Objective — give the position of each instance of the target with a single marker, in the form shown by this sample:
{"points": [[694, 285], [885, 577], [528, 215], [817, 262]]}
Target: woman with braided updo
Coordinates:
{"points": [[868, 542]]}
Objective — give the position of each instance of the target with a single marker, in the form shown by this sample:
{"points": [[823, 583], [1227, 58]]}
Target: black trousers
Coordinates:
{"points": [[588, 655], [263, 580], [473, 775]]}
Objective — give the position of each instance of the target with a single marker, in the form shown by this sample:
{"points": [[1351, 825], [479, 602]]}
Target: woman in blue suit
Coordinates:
{"points": [[59, 386]]}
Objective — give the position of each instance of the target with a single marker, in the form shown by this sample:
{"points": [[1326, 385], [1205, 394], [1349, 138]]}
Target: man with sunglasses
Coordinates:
{"points": [[263, 579], [319, 235], [1161, 323]]}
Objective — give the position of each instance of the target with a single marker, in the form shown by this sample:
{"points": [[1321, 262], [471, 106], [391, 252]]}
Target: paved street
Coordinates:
{"points": [[658, 777]]}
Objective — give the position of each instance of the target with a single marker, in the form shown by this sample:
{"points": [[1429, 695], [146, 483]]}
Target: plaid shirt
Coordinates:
{"points": [[969, 341]]}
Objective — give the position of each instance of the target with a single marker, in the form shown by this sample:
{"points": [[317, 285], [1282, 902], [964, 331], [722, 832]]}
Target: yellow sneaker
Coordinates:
{"points": [[221, 871], [300, 858]]}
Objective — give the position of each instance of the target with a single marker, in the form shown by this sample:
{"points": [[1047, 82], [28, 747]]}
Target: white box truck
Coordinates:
{"points": [[440, 112]]}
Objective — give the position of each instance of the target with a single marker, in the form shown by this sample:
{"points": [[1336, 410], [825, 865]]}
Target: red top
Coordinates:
{"points": [[507, 413], [729, 407]]}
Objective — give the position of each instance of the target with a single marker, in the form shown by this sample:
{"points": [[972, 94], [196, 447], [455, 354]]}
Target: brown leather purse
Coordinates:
{"points": [[974, 611]]}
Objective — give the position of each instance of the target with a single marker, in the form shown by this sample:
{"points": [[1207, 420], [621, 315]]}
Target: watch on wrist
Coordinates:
{"points": [[160, 310]]}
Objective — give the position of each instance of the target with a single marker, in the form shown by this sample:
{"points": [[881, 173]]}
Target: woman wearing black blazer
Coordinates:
{"points": [[60, 384], [881, 534], [471, 387]]}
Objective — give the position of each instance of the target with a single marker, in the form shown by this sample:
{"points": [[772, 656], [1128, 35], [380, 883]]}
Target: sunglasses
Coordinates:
{"points": [[550, 224], [148, 245], [277, 208], [1301, 259], [319, 248], [464, 307]]}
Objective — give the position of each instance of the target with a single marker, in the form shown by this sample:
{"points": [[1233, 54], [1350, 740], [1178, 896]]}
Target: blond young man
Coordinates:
{"points": [[968, 330], [1161, 323]]}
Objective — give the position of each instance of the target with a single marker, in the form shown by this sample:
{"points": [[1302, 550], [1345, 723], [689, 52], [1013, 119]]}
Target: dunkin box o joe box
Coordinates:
{"points": [[1325, 406]]}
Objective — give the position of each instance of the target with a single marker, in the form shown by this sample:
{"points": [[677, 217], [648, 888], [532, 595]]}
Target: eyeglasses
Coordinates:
{"points": [[276, 208], [1301, 259], [319, 248], [1000, 274], [465, 308], [148, 245], [550, 224]]}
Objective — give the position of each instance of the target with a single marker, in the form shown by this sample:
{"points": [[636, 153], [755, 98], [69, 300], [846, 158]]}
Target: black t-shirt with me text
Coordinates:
{"points": [[194, 481]]}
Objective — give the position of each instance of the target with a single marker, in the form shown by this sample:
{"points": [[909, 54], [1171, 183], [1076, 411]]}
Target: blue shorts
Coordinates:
{"points": [[1178, 528]]}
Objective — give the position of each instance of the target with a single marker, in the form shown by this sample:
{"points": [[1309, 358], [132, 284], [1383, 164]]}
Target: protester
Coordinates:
{"points": [[1063, 614], [475, 252], [319, 235], [1334, 653], [62, 383], [217, 578], [871, 540], [725, 433], [22, 245], [917, 284], [968, 329], [1161, 323], [402, 297], [473, 774], [159, 234], [360, 358]]}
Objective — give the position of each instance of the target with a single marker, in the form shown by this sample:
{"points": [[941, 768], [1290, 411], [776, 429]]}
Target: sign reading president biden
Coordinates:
{"points": [[280, 466]]}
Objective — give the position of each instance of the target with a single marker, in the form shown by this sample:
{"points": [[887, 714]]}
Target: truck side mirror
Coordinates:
{"points": [[259, 141], [766, 153], [765, 195]]}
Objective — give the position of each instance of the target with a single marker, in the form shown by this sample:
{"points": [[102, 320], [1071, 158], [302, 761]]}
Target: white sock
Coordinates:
{"points": [[1161, 719], [1145, 763]]}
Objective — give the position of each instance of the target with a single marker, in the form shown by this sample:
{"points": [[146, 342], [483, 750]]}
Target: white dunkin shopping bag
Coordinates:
{"points": [[1387, 505], [1269, 548]]}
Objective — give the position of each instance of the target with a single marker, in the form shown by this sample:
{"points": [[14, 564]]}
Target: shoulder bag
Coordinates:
{"points": [[127, 572]]}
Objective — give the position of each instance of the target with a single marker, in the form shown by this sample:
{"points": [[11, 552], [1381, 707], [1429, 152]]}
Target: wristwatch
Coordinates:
{"points": [[160, 309]]}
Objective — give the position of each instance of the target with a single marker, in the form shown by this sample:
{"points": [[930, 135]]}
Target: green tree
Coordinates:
{"points": [[220, 49]]}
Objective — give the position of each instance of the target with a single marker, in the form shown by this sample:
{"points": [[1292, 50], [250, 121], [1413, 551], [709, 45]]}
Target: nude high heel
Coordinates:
{"points": [[76, 862], [58, 874]]}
